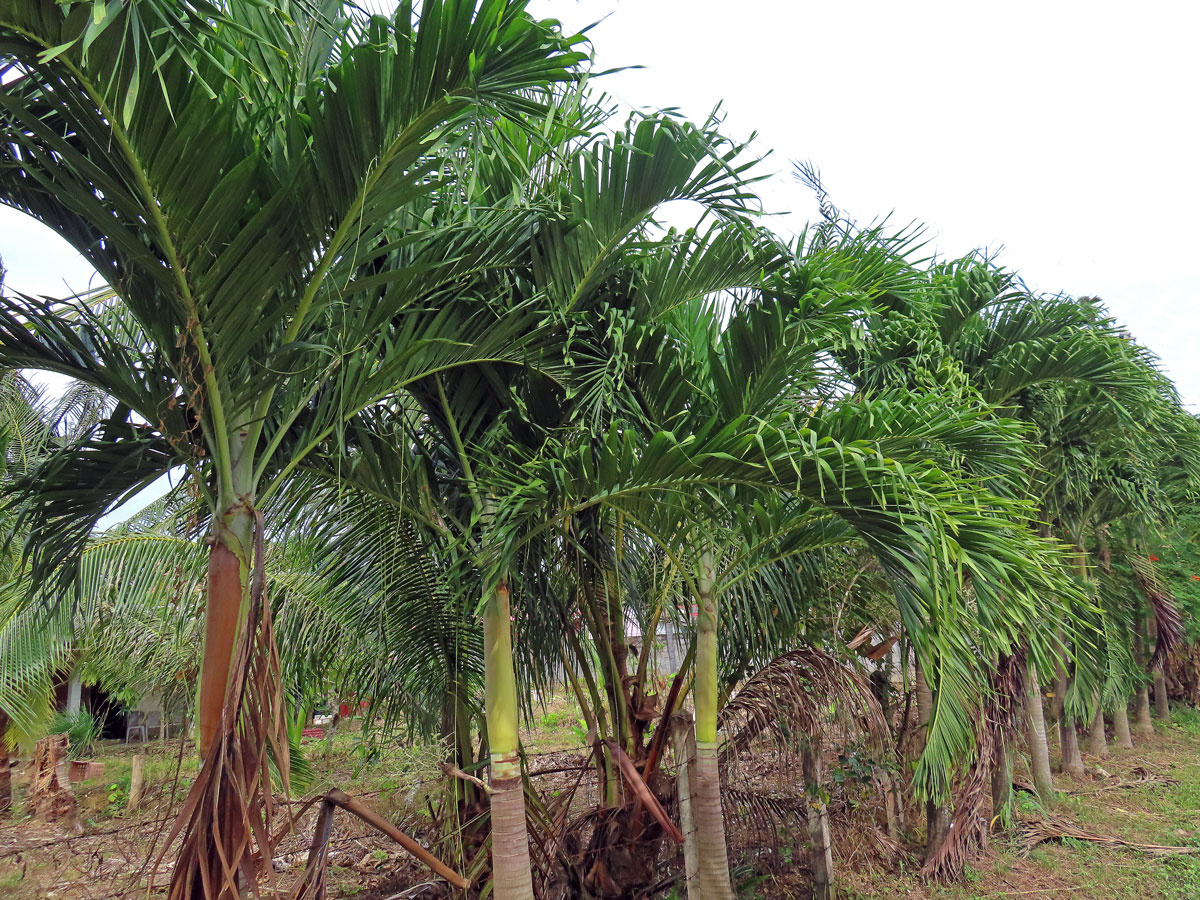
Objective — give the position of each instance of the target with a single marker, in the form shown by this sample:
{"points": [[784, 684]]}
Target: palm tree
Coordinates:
{"points": [[747, 381], [1113, 474], [976, 330], [590, 205], [243, 212]]}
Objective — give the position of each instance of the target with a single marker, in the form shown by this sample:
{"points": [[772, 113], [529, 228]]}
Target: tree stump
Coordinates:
{"points": [[49, 799]]}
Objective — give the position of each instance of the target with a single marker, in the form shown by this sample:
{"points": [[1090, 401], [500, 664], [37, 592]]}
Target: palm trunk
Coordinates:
{"points": [[1142, 723], [1141, 703], [1039, 749], [924, 706], [891, 802], [1162, 704], [225, 835], [937, 827], [1097, 745], [821, 854], [74, 694], [1072, 760], [1121, 736], [512, 874], [228, 572], [1002, 785], [714, 881], [1059, 695], [685, 760], [937, 816]]}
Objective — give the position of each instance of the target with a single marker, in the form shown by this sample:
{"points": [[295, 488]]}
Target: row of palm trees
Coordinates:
{"points": [[451, 406]]}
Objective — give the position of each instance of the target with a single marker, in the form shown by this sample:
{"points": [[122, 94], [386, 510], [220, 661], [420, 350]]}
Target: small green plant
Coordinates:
{"points": [[552, 719], [81, 729], [1027, 803], [580, 730], [747, 879], [118, 796]]}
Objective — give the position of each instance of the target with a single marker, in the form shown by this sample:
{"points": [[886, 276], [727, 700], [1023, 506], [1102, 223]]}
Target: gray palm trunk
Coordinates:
{"points": [[1097, 744], [5, 769], [1141, 704], [1039, 748], [1162, 704], [684, 738], [1121, 735], [709, 819], [1072, 759], [1142, 722]]}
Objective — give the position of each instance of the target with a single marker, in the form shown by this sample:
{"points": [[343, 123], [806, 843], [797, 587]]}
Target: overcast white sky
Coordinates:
{"points": [[1065, 132]]}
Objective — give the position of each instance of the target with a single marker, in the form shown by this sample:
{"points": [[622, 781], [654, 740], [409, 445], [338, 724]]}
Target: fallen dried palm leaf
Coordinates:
{"points": [[1141, 777], [1055, 829], [313, 884], [1124, 785]]}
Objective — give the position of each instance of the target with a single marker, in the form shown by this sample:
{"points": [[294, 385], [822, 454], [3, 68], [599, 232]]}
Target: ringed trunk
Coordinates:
{"points": [[1162, 704], [74, 694], [1121, 736], [1142, 723], [1097, 745], [1039, 749], [713, 877], [1072, 760], [684, 736], [512, 874], [937, 827], [924, 707], [1141, 703]]}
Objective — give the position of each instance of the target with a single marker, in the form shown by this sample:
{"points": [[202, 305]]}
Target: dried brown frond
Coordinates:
{"points": [[1141, 777], [1055, 828], [1164, 609], [795, 697], [860, 843], [764, 812], [1182, 672]]}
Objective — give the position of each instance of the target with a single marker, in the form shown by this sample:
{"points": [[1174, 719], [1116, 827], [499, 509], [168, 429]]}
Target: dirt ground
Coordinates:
{"points": [[1148, 795]]}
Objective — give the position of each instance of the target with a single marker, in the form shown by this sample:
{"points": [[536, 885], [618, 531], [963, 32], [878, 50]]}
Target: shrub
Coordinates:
{"points": [[81, 729]]}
